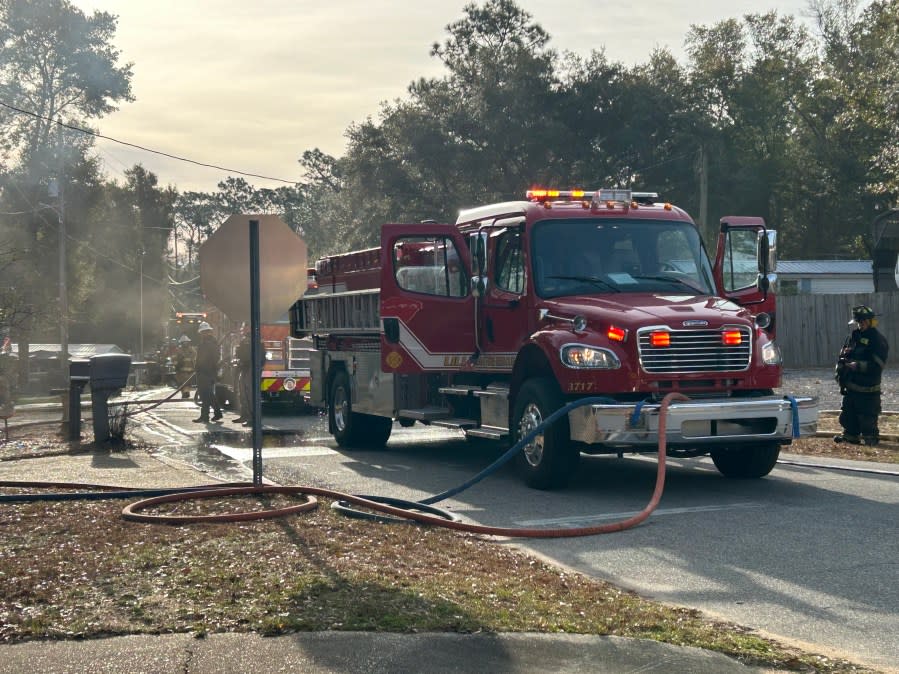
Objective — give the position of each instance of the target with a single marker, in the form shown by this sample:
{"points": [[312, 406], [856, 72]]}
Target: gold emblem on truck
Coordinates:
{"points": [[394, 360]]}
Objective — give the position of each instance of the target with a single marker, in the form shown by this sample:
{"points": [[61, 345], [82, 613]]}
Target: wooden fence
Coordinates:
{"points": [[811, 329]]}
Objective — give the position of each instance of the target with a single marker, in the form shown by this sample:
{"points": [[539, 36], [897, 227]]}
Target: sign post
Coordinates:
{"points": [[253, 268]]}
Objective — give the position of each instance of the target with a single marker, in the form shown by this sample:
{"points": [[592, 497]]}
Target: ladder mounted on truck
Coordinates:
{"points": [[336, 313]]}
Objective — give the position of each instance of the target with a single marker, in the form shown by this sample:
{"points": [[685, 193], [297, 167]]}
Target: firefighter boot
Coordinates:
{"points": [[845, 437], [871, 440]]}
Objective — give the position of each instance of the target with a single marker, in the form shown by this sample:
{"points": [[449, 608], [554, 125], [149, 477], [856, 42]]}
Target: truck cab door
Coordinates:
{"points": [[427, 307], [504, 320], [745, 262]]}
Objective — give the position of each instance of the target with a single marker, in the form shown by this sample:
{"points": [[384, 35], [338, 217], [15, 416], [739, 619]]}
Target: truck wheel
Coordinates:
{"points": [[341, 411], [374, 431], [352, 429], [751, 461], [548, 461]]}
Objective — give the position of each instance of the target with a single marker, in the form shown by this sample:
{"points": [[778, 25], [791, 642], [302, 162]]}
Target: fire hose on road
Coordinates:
{"points": [[421, 511], [387, 509]]}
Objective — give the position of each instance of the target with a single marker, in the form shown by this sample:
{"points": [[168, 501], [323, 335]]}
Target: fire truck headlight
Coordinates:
{"points": [[771, 354], [269, 355], [290, 384], [580, 356]]}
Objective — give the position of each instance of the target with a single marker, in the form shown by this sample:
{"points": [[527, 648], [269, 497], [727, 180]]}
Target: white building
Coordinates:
{"points": [[824, 277]]}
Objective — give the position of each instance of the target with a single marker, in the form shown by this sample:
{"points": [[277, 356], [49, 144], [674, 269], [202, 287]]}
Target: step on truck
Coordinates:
{"points": [[491, 324]]}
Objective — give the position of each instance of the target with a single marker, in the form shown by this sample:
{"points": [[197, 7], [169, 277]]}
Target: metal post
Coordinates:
{"points": [[74, 422], [63, 292], [141, 352], [706, 231], [255, 352]]}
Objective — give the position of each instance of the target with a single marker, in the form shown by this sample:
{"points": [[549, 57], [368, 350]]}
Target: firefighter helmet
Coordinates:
{"points": [[863, 313], [204, 327], [184, 339]]}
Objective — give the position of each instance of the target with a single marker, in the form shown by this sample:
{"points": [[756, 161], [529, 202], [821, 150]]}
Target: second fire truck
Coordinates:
{"points": [[491, 324]]}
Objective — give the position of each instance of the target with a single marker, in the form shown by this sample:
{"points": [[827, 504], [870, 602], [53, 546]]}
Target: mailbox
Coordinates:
{"points": [[79, 370], [109, 371], [79, 375], [108, 374]]}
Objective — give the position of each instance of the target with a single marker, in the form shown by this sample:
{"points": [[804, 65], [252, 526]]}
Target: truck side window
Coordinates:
{"points": [[740, 262], [429, 265], [509, 266]]}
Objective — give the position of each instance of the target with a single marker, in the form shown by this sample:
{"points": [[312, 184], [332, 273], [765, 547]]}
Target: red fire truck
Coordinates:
{"points": [[285, 371], [493, 323]]}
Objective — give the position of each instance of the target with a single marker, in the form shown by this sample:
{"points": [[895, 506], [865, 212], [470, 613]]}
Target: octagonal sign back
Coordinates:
{"points": [[225, 267]]}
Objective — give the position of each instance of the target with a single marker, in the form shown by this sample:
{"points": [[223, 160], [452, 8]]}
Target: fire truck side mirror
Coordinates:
{"points": [[767, 251], [478, 286], [767, 259], [478, 245], [762, 253]]}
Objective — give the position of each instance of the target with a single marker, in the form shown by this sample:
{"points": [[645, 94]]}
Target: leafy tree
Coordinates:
{"points": [[749, 80], [125, 252], [857, 114], [56, 63]]}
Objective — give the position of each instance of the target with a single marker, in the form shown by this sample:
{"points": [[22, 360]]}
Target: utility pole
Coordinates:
{"points": [[63, 291], [704, 198], [141, 352]]}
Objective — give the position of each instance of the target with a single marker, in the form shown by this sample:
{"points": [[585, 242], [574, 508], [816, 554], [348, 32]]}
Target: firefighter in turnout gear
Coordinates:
{"points": [[207, 371], [858, 372]]}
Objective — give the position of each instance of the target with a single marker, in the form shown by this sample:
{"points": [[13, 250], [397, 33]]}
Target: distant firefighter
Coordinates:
{"points": [[858, 372]]}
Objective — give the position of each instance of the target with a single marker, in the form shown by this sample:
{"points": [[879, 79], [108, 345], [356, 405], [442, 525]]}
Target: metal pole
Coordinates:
{"points": [[141, 353], [255, 352], [63, 292]]}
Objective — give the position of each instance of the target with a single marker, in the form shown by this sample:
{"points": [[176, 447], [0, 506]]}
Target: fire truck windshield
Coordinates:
{"points": [[583, 257]]}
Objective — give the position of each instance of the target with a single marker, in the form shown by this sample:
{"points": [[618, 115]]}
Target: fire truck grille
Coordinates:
{"points": [[695, 351]]}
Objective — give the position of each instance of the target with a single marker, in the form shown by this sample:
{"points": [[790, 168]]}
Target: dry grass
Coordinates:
{"points": [[885, 452], [76, 569]]}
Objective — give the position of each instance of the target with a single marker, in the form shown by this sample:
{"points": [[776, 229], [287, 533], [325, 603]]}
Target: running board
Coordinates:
{"points": [[461, 424], [491, 391], [425, 413], [488, 432]]}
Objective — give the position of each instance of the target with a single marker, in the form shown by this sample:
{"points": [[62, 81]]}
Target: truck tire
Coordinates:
{"points": [[375, 431], [548, 461], [749, 462], [352, 429]]}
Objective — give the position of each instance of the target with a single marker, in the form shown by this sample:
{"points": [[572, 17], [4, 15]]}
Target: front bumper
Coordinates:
{"points": [[695, 422]]}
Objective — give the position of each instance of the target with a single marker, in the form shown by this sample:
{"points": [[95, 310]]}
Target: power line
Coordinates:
{"points": [[37, 210], [146, 149]]}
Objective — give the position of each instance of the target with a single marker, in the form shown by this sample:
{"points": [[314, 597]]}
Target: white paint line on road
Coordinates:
{"points": [[586, 519], [246, 454]]}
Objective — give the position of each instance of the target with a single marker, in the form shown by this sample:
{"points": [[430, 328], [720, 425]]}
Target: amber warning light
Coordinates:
{"points": [[660, 338], [731, 337], [616, 334]]}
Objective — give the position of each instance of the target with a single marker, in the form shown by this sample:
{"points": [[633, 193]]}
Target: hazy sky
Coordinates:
{"points": [[251, 85]]}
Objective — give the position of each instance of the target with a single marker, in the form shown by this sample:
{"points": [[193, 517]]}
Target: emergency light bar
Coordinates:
{"points": [[540, 194], [605, 197]]}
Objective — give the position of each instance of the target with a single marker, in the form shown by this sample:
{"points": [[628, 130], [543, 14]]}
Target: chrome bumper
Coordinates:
{"points": [[700, 422]]}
